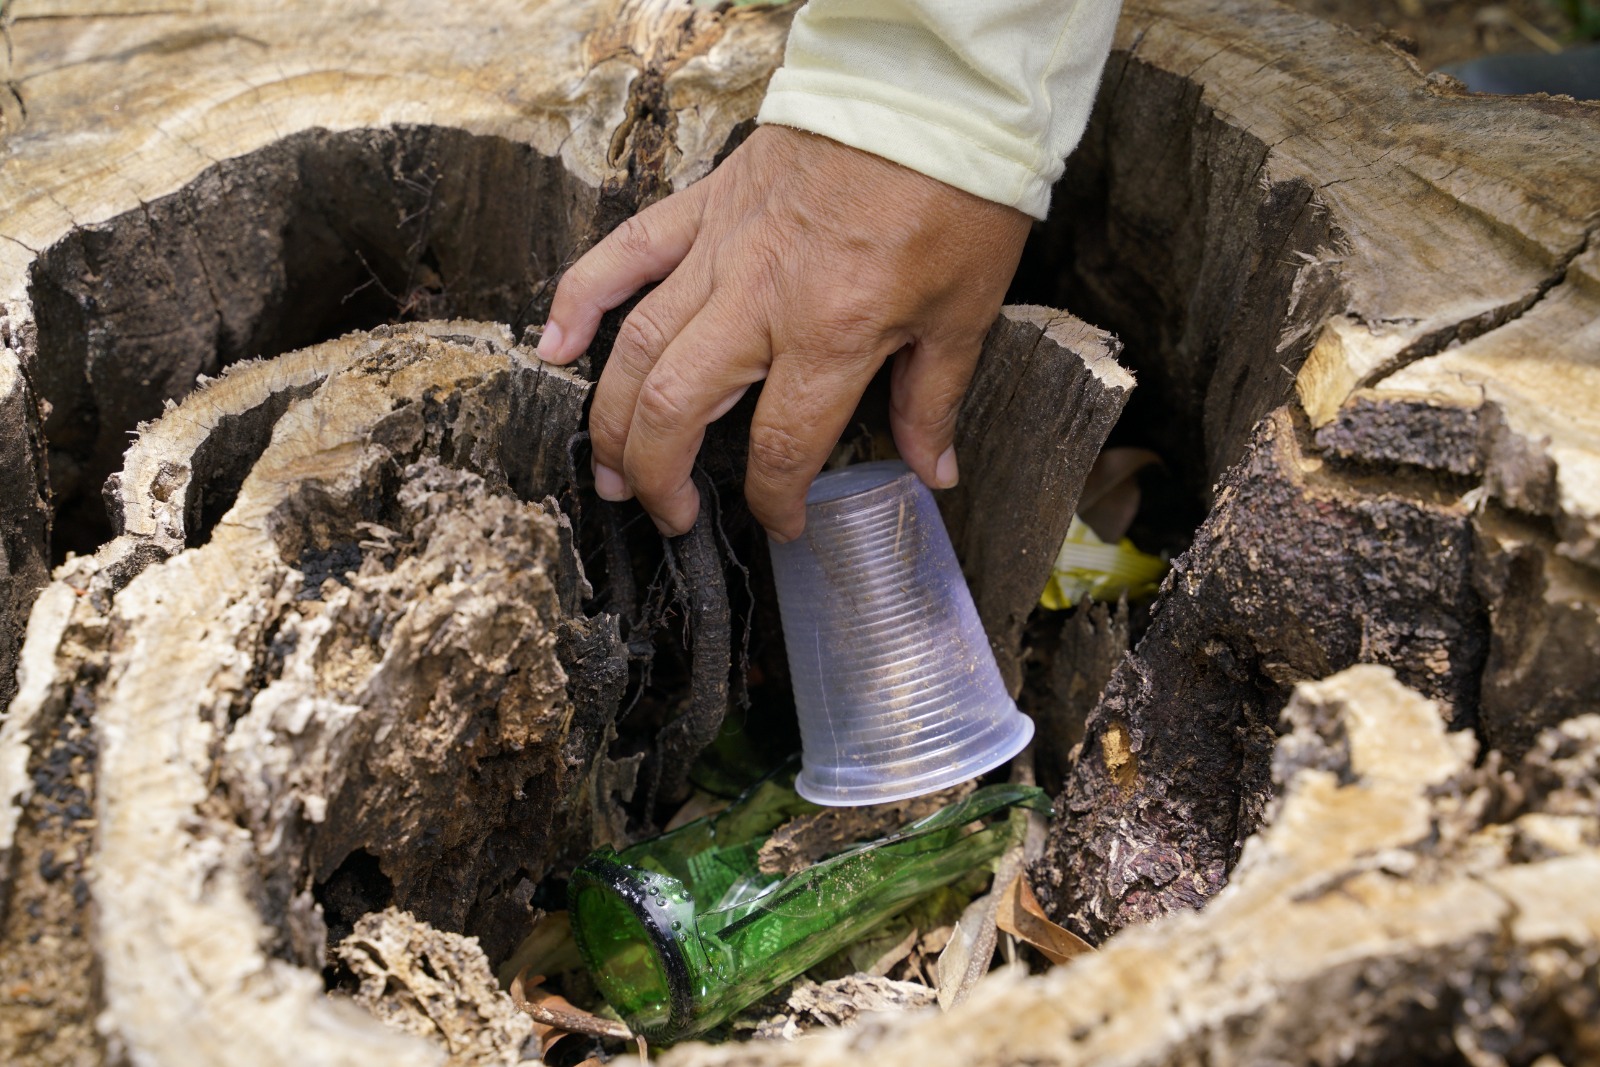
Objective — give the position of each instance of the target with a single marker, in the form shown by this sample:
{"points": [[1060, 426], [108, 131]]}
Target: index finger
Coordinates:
{"points": [[645, 248]]}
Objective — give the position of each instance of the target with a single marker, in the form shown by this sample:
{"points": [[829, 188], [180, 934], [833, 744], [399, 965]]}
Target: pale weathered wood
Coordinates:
{"points": [[356, 664], [436, 985]]}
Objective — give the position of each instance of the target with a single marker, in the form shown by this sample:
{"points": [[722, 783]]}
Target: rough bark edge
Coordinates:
{"points": [[1047, 391]]}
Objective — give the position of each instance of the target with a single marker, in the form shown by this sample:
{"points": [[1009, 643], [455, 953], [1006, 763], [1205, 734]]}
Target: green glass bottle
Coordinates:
{"points": [[683, 931]]}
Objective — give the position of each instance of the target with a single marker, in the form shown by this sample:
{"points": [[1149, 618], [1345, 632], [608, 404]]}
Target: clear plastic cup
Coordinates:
{"points": [[896, 687]]}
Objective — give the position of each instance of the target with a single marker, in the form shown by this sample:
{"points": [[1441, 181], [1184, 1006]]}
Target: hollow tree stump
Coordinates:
{"points": [[1372, 330], [343, 629]]}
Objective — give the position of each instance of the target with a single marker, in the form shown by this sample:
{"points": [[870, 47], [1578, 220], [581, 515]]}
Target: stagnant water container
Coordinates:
{"points": [[896, 687]]}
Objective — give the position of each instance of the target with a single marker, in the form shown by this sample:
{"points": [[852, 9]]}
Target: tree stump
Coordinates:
{"points": [[346, 637], [1362, 306]]}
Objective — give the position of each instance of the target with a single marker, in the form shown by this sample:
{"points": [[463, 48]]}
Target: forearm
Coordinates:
{"points": [[986, 96]]}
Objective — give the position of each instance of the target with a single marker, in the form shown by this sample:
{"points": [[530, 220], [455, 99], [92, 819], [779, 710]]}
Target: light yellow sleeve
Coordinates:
{"points": [[989, 96]]}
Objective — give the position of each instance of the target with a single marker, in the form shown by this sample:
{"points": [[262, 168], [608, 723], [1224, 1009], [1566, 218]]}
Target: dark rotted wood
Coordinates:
{"points": [[701, 586], [1362, 306], [1294, 576], [1544, 650], [1047, 390], [1071, 658], [24, 515]]}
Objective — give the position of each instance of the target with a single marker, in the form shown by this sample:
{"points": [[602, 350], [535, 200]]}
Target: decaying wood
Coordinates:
{"points": [[180, 191], [24, 516], [1362, 306], [697, 575], [840, 1002], [436, 985], [1176, 763], [1401, 905], [348, 695], [1078, 656], [1046, 394]]}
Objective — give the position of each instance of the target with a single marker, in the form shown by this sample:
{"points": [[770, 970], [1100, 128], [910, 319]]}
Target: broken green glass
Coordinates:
{"points": [[683, 931]]}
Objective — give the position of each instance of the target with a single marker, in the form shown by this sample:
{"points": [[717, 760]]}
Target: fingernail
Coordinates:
{"points": [[944, 472], [609, 484], [550, 347]]}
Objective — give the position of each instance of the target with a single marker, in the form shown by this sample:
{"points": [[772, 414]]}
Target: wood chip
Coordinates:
{"points": [[843, 1000]]}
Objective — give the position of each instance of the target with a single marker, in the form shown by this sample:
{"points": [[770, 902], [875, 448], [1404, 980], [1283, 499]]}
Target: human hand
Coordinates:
{"points": [[803, 262]]}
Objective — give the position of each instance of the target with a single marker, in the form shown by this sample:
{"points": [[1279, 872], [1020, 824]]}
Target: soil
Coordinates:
{"points": [[1450, 31]]}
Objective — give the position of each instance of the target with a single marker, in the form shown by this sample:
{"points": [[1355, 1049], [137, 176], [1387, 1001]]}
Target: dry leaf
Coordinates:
{"points": [[886, 962], [527, 992], [549, 948], [698, 806], [966, 958], [971, 949], [1021, 916], [1110, 497]]}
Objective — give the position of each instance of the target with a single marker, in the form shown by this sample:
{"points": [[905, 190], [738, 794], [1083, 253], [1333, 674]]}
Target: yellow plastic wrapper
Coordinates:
{"points": [[1087, 568]]}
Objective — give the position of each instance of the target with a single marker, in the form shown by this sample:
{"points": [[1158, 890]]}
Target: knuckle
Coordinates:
{"points": [[934, 410], [641, 333], [665, 396], [777, 453], [607, 432], [632, 239], [574, 284]]}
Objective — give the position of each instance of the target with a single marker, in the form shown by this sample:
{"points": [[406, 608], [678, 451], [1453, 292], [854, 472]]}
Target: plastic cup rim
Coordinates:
{"points": [[893, 469], [921, 785]]}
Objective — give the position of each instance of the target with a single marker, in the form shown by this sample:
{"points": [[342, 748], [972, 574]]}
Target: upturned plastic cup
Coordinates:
{"points": [[896, 687]]}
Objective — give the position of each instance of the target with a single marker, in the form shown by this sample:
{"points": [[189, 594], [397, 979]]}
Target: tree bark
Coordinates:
{"points": [[1047, 392], [24, 516], [1360, 304], [1362, 307]]}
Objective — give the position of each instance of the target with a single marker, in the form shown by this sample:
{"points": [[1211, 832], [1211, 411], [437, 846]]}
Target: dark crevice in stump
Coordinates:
{"points": [[311, 237]]}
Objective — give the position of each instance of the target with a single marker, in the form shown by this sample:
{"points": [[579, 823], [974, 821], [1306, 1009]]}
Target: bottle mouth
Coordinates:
{"points": [[623, 922]]}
